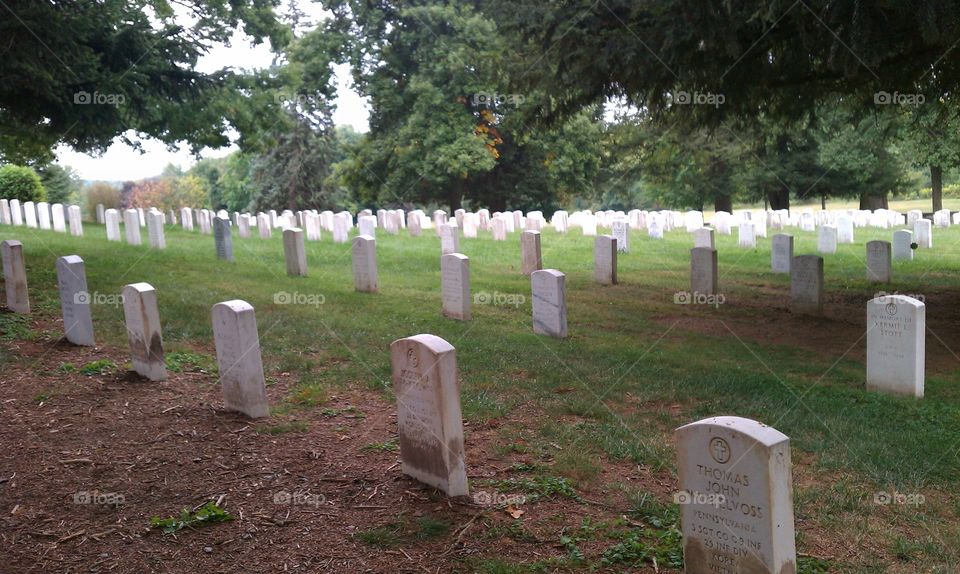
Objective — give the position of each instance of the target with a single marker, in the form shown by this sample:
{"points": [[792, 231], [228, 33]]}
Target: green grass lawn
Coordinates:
{"points": [[635, 366]]}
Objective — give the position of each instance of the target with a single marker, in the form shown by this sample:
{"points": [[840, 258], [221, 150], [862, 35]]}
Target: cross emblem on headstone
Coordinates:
{"points": [[719, 450]]}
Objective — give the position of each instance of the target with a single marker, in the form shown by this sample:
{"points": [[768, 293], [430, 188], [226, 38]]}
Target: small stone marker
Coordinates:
{"points": [[75, 300], [605, 259], [548, 287], [827, 239], [186, 218], [736, 497], [902, 248], [923, 233], [879, 261], [703, 237], [58, 217], [76, 221], [896, 345], [295, 252], [155, 230], [16, 212], [43, 214], [263, 226], [455, 285], [144, 334], [112, 218], [703, 271], [428, 412], [747, 235], [530, 259], [15, 276], [222, 238], [806, 284], [341, 227], [781, 253], [499, 228], [131, 226], [364, 251], [620, 229], [30, 214], [101, 214], [5, 212], [449, 238], [238, 356]]}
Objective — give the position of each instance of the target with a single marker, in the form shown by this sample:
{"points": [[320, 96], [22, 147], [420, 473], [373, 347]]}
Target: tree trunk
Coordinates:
{"points": [[723, 203], [936, 186], [456, 198], [823, 202], [873, 202], [779, 198]]}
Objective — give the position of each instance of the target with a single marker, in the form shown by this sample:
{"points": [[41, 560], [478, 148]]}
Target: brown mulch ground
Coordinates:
{"points": [[170, 445]]}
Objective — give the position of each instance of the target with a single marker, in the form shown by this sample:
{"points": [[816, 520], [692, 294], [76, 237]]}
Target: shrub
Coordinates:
{"points": [[18, 182], [101, 193]]}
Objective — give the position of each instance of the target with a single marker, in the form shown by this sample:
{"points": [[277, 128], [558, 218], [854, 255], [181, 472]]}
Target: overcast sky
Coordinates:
{"points": [[123, 163]]}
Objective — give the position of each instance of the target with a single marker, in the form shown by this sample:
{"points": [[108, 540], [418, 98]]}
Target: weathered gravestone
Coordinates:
{"points": [[703, 271], [101, 214], [295, 252], [142, 318], [222, 238], [238, 357], [15, 276], [620, 230], [75, 300], [429, 419], [530, 259], [449, 238], [896, 343], [605, 259], [736, 498], [112, 217], [364, 251], [923, 233], [16, 212], [878, 261], [367, 225], [827, 239], [131, 226], [76, 221], [414, 226], [186, 218], [781, 253], [548, 288], [499, 228], [455, 285], [43, 214], [30, 214], [263, 226], [58, 218], [903, 245], [747, 235], [5, 212], [155, 232], [703, 237], [806, 284]]}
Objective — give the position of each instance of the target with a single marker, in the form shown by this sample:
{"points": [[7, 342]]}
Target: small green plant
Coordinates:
{"points": [[430, 527], [41, 398], [67, 368], [382, 536], [282, 428], [539, 487], [99, 367], [209, 513], [14, 327], [387, 446], [180, 361]]}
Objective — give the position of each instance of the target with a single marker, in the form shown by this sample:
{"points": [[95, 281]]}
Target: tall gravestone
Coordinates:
{"points": [[76, 221], [455, 285], [155, 230], [903, 245], [295, 252], [15, 276], [101, 214], [781, 253], [747, 237], [620, 229], [30, 214], [605, 259], [43, 214], [896, 345], [58, 217], [222, 238], [429, 419], [238, 357], [498, 226], [806, 284], [16, 212], [144, 334], [131, 226], [704, 275], [530, 258], [186, 218], [5, 212], [736, 495], [923, 233], [263, 226], [364, 251], [879, 261], [75, 300], [549, 291], [827, 239], [112, 217]]}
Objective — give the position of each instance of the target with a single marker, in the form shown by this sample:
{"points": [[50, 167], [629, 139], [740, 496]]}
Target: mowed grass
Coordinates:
{"points": [[630, 372]]}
